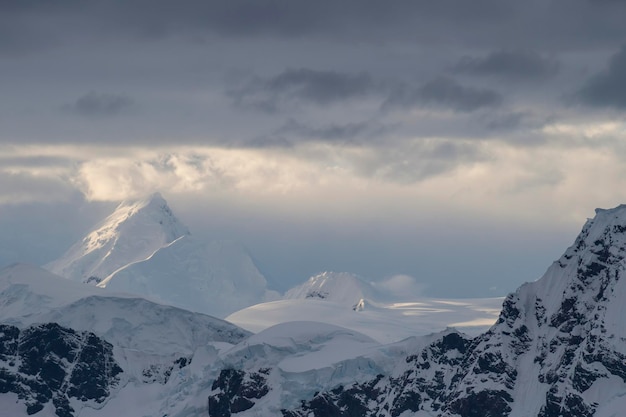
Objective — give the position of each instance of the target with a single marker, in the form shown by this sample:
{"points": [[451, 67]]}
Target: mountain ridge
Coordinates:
{"points": [[133, 232], [142, 248], [557, 349]]}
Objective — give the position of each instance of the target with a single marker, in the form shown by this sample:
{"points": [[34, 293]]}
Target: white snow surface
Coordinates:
{"points": [[310, 344], [30, 295], [384, 322], [133, 232], [214, 278]]}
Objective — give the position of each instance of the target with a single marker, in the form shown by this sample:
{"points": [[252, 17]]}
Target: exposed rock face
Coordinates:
{"points": [[558, 349], [50, 363]]}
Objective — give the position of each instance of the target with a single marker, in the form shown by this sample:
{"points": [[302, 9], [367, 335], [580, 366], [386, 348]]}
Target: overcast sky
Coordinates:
{"points": [[461, 143]]}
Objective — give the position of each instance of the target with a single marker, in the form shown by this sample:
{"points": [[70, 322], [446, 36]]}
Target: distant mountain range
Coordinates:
{"points": [[70, 349]]}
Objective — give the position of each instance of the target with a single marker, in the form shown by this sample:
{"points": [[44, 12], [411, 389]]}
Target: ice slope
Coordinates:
{"points": [[384, 322], [214, 278], [133, 232]]}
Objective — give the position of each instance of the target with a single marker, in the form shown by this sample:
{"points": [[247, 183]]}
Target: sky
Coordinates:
{"points": [[463, 144]]}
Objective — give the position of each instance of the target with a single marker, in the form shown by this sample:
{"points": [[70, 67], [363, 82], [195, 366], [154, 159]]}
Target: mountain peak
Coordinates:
{"points": [[154, 199], [614, 210], [340, 287], [133, 232]]}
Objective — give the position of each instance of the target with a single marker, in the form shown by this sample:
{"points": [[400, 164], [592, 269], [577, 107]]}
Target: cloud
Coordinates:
{"points": [[95, 104], [416, 161], [400, 287], [23, 187], [608, 88], [538, 22], [519, 64], [366, 131], [302, 85], [443, 92]]}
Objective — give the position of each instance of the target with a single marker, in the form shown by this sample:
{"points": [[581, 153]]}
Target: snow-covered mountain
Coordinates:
{"points": [[133, 232], [214, 278], [143, 249], [557, 349], [69, 349], [374, 309], [339, 287]]}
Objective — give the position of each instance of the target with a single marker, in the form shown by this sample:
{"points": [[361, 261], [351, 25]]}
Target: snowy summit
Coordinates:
{"points": [[143, 249], [133, 232]]}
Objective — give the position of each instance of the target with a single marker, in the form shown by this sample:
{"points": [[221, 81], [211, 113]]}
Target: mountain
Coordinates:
{"points": [[143, 249], [69, 349], [133, 232], [214, 278], [557, 349], [377, 310]]}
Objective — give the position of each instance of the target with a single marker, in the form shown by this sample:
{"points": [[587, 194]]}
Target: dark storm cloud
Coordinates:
{"points": [[443, 92], [516, 64], [608, 88], [95, 104], [516, 121], [343, 133], [534, 22], [306, 85]]}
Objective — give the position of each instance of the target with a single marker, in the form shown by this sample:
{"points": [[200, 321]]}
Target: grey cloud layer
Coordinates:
{"points": [[443, 92], [318, 87], [540, 22], [608, 88], [95, 104], [514, 64], [327, 87], [358, 71]]}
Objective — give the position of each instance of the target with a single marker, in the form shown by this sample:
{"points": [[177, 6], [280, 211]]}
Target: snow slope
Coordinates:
{"points": [[214, 278], [133, 232], [384, 322], [379, 310], [31, 295]]}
